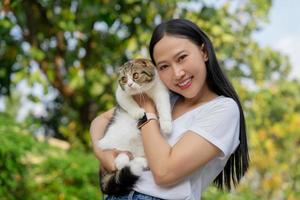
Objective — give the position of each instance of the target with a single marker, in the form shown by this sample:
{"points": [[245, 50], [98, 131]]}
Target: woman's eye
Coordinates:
{"points": [[181, 58], [135, 75], [162, 67], [124, 79]]}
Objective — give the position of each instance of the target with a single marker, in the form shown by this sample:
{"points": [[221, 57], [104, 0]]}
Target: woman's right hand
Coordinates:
{"points": [[107, 158]]}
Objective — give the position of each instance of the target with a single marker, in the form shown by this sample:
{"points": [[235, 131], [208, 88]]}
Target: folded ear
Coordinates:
{"points": [[146, 62]]}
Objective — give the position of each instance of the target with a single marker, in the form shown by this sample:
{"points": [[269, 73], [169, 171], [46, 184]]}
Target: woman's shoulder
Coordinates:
{"points": [[220, 104], [223, 101]]}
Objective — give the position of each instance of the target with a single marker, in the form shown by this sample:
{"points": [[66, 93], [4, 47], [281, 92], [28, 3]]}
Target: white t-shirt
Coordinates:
{"points": [[218, 122]]}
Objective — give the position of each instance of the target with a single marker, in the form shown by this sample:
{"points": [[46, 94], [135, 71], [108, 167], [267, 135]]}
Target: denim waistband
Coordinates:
{"points": [[133, 195]]}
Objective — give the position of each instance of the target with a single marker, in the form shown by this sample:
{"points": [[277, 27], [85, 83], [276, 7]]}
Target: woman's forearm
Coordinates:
{"points": [[157, 150], [97, 129]]}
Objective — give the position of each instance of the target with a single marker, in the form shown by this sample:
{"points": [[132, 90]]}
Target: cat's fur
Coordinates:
{"points": [[135, 77]]}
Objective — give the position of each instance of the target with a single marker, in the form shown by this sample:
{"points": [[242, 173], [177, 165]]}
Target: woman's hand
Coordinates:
{"points": [[145, 102], [107, 158]]}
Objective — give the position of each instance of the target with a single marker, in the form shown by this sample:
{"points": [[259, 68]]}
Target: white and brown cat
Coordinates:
{"points": [[136, 76]]}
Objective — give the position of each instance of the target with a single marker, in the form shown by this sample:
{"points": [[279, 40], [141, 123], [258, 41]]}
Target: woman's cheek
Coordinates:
{"points": [[168, 83]]}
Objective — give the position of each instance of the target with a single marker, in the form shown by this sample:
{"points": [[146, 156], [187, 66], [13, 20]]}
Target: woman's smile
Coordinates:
{"points": [[185, 83]]}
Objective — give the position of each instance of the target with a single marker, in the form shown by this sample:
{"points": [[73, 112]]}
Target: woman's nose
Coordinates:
{"points": [[178, 72]]}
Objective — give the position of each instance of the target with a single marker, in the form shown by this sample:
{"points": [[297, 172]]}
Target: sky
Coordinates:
{"points": [[283, 32]]}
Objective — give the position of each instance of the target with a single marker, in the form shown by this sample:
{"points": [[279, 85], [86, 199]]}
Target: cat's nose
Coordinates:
{"points": [[129, 84]]}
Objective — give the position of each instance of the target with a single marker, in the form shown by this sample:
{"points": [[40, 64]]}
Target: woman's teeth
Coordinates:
{"points": [[184, 83]]}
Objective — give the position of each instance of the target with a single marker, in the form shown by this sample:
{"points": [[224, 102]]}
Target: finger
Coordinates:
{"points": [[116, 152], [113, 168], [110, 168], [136, 97], [129, 154]]}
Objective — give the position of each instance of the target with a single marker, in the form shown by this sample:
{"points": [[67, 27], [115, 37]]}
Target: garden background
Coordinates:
{"points": [[57, 58]]}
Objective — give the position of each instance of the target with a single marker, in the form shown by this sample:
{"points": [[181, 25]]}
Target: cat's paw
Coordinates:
{"points": [[137, 113], [137, 165], [121, 161], [166, 126]]}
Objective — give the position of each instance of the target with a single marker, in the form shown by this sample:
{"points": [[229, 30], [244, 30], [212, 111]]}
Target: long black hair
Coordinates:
{"points": [[238, 162]]}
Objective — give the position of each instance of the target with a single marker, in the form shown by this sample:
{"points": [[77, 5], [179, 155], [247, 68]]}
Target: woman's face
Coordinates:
{"points": [[181, 66]]}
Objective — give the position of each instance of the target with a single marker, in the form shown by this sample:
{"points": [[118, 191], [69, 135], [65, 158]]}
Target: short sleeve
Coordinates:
{"points": [[219, 124]]}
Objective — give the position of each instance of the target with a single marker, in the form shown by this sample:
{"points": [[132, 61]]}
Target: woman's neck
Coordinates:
{"points": [[204, 96]]}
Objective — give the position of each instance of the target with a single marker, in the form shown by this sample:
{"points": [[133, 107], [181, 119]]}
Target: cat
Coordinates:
{"points": [[134, 77]]}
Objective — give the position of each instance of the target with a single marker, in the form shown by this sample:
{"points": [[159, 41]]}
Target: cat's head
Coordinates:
{"points": [[136, 75]]}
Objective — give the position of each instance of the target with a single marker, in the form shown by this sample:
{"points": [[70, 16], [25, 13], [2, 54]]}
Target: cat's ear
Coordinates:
{"points": [[147, 63], [143, 62]]}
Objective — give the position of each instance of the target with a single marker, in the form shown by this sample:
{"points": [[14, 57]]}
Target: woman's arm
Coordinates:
{"points": [[97, 129], [170, 164]]}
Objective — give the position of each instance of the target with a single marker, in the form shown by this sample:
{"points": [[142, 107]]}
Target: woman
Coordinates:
{"points": [[208, 142]]}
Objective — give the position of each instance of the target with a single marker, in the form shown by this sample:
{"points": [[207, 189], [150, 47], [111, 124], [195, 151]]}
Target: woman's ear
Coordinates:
{"points": [[205, 54]]}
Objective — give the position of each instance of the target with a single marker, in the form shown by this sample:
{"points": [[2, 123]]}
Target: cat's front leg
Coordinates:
{"points": [[166, 126], [127, 103], [162, 103]]}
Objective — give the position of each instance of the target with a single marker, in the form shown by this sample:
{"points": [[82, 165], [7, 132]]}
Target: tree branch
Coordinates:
{"points": [[36, 17]]}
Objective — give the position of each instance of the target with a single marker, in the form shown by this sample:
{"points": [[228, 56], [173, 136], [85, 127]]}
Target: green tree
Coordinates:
{"points": [[72, 47]]}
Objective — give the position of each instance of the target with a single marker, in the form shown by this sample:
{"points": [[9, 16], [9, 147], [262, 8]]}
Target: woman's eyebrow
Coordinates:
{"points": [[177, 54]]}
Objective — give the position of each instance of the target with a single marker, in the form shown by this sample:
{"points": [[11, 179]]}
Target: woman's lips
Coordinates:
{"points": [[185, 84]]}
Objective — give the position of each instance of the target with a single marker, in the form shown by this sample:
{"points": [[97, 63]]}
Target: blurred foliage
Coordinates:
{"points": [[71, 48], [13, 147], [31, 169], [273, 119]]}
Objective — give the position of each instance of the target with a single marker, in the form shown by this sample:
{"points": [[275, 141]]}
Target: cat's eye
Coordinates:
{"points": [[135, 75], [123, 79]]}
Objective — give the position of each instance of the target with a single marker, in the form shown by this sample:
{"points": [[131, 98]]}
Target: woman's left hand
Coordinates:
{"points": [[145, 102]]}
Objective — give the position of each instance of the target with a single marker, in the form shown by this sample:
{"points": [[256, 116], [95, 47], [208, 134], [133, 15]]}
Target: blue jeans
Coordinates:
{"points": [[133, 195]]}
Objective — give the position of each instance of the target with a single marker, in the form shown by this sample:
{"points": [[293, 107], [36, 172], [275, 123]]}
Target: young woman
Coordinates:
{"points": [[208, 142]]}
